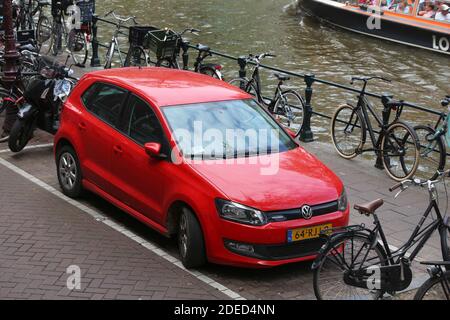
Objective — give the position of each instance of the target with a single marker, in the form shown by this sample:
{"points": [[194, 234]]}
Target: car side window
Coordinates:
{"points": [[141, 123], [105, 101]]}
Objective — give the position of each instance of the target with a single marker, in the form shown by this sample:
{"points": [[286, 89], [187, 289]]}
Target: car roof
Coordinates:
{"points": [[165, 87]]}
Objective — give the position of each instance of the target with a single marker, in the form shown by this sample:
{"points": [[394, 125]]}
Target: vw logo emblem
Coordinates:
{"points": [[307, 212]]}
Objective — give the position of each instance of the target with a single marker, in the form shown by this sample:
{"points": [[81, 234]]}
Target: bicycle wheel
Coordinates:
{"points": [[400, 151], [136, 57], [78, 47], [348, 131], [435, 288], [56, 39], [432, 153], [247, 86], [347, 260], [43, 31], [209, 71], [167, 63], [288, 110]]}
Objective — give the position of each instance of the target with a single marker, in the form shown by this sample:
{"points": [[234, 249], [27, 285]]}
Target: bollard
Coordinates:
{"points": [[95, 61], [242, 61], [306, 135]]}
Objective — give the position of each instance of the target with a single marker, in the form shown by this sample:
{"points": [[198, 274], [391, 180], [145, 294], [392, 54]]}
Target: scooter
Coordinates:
{"points": [[43, 100]]}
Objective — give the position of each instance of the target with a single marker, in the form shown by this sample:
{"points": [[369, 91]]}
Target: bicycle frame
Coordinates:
{"points": [[114, 45], [256, 80]]}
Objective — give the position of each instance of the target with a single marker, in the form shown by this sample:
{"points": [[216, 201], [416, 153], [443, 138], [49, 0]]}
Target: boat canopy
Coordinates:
{"points": [[429, 10]]}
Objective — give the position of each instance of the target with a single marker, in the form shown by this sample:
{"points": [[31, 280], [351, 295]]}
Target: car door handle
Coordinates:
{"points": [[118, 149], [82, 126]]}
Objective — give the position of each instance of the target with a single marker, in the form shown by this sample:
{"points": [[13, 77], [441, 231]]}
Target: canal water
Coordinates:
{"points": [[302, 44]]}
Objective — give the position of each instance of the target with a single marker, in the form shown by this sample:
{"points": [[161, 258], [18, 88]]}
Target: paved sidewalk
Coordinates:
{"points": [[41, 236]]}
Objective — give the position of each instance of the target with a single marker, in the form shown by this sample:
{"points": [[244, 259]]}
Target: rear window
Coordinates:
{"points": [[105, 101]]}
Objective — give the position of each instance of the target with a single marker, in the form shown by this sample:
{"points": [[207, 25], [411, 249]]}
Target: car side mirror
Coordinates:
{"points": [[153, 149]]}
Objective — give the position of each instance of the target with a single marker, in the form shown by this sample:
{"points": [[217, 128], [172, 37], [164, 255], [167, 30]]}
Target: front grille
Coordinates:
{"points": [[292, 214], [280, 251]]}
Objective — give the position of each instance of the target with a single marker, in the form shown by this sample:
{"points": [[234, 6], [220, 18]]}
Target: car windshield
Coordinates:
{"points": [[226, 129]]}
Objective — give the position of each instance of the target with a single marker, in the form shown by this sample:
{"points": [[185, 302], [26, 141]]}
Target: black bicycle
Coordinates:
{"points": [[22, 12], [354, 264], [286, 105], [438, 286], [432, 140], [397, 145]]}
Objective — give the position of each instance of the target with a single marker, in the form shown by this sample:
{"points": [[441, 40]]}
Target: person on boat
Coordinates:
{"points": [[428, 11], [387, 4], [443, 14], [403, 7]]}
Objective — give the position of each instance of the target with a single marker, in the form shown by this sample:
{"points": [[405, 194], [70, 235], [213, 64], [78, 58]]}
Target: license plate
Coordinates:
{"points": [[306, 233]]}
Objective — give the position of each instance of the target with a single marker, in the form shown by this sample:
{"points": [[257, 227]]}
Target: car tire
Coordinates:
{"points": [[69, 172], [191, 244]]}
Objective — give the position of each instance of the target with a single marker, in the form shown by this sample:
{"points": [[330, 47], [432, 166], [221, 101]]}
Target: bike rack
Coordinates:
{"points": [[306, 134]]}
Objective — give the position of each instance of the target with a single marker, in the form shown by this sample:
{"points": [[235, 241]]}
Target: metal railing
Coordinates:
{"points": [[306, 133]]}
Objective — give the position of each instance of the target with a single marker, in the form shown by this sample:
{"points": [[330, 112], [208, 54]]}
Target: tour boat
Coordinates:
{"points": [[406, 28]]}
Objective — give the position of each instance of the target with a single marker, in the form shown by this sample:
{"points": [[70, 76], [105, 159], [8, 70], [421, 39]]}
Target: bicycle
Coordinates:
{"points": [[137, 55], [44, 25], [354, 264], [433, 151], [169, 48], [73, 40], [22, 12], [286, 105], [396, 139], [114, 43], [438, 286], [169, 58]]}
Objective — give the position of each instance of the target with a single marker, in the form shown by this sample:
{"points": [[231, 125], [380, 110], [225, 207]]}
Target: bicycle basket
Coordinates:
{"points": [[87, 9], [164, 43], [137, 34]]}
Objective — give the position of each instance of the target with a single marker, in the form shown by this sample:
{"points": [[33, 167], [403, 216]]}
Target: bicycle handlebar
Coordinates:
{"points": [[367, 79], [119, 18], [420, 183], [257, 58]]}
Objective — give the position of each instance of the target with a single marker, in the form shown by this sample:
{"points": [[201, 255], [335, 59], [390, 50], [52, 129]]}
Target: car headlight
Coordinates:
{"points": [[239, 213], [343, 201]]}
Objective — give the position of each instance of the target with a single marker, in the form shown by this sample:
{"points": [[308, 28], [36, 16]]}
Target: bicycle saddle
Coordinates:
{"points": [[389, 102], [370, 207], [202, 47], [282, 77], [43, 2]]}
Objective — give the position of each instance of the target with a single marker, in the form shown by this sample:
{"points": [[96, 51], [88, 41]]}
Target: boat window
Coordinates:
{"points": [[398, 6], [434, 10]]}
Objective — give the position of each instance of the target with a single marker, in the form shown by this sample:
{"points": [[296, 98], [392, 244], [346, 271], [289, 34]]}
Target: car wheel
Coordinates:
{"points": [[190, 240], [69, 172]]}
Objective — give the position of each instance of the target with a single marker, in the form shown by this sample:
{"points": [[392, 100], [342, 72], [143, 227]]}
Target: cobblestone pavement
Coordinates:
{"points": [[41, 235]]}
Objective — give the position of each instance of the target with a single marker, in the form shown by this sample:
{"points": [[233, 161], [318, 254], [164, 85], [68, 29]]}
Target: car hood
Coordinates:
{"points": [[279, 181]]}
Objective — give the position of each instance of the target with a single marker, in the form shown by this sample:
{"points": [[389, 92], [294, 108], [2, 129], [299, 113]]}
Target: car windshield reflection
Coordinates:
{"points": [[226, 130]]}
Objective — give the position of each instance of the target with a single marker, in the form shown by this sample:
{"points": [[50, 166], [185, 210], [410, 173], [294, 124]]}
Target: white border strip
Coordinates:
{"points": [[123, 230], [37, 146]]}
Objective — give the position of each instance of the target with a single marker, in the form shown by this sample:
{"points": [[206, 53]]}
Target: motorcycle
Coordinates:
{"points": [[43, 100]]}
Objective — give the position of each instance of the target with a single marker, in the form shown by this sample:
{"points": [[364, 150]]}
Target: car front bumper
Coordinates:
{"points": [[266, 246]]}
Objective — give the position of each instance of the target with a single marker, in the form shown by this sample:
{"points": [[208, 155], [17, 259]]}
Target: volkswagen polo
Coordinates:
{"points": [[195, 158]]}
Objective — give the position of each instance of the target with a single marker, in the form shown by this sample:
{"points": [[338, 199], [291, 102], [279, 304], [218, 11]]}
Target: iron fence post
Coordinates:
{"points": [[306, 135], [95, 61], [242, 61]]}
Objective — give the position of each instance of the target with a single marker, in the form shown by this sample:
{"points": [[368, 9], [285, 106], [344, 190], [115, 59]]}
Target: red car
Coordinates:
{"points": [[177, 150]]}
